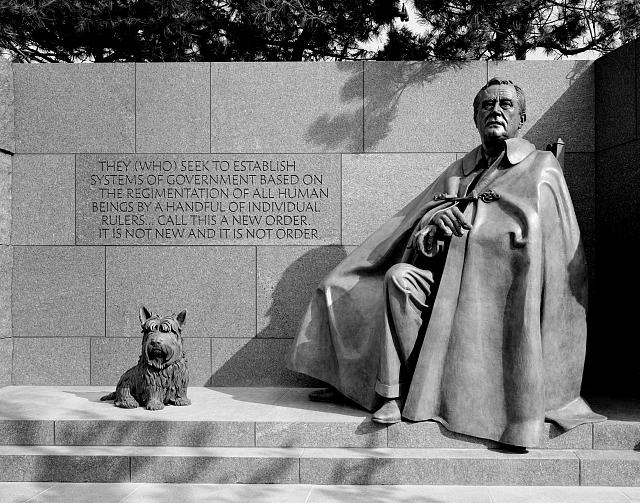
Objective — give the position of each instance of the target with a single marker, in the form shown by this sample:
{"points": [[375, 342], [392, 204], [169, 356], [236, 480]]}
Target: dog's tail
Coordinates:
{"points": [[110, 396]]}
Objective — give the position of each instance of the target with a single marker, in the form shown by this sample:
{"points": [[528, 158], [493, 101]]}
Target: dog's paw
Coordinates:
{"points": [[126, 404], [182, 401], [155, 405]]}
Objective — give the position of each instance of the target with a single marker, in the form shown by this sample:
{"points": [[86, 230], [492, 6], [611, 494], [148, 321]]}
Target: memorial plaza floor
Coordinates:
{"points": [[62, 444], [41, 492]]}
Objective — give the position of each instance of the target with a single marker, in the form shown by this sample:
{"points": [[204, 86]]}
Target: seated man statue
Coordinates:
{"points": [[468, 307]]}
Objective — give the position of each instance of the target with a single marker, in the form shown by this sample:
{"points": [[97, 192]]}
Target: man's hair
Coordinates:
{"points": [[496, 81]]}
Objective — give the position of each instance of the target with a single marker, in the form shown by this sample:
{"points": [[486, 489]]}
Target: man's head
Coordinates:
{"points": [[499, 111]]}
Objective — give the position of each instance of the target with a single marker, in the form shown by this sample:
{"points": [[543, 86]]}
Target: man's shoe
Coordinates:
{"points": [[389, 413], [326, 395], [514, 449]]}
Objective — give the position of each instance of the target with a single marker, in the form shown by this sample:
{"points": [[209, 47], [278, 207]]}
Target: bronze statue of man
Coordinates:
{"points": [[468, 307]]}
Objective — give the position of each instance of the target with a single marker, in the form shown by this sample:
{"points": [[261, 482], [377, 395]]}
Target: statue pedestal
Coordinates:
{"points": [[277, 436]]}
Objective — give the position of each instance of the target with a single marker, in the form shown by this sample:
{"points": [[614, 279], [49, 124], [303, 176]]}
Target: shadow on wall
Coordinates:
{"points": [[262, 361], [384, 88], [383, 91], [559, 119]]}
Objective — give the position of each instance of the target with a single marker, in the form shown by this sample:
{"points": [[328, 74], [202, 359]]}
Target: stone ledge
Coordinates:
{"points": [[253, 465], [248, 417], [286, 465], [438, 466], [609, 468]]}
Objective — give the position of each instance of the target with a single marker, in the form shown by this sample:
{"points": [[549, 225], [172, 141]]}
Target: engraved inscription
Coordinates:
{"points": [[207, 199]]}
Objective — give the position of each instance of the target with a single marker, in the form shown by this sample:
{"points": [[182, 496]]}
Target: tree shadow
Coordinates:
{"points": [[384, 85], [342, 131]]}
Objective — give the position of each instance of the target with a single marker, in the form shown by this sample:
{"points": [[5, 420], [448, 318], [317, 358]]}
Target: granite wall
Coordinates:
{"points": [[371, 135], [613, 355], [7, 147]]}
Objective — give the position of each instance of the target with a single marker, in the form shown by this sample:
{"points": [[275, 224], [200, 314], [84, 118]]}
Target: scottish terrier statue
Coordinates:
{"points": [[160, 378]]}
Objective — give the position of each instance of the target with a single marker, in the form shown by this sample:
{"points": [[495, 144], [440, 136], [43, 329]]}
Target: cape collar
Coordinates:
{"points": [[517, 150]]}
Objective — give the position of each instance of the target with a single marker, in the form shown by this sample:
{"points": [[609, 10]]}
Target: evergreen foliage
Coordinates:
{"points": [[294, 30]]}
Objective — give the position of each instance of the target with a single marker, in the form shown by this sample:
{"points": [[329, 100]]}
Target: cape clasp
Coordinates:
{"points": [[487, 196]]}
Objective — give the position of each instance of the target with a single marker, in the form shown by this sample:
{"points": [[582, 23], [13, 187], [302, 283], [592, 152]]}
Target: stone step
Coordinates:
{"points": [[255, 417], [251, 465]]}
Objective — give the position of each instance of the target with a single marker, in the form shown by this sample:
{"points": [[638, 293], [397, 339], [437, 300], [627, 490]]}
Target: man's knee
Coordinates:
{"points": [[397, 273], [408, 278]]}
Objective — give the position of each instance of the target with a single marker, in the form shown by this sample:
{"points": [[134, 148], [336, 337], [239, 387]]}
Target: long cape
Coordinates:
{"points": [[505, 343]]}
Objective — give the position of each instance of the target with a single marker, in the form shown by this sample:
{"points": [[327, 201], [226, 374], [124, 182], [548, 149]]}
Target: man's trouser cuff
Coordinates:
{"points": [[389, 390]]}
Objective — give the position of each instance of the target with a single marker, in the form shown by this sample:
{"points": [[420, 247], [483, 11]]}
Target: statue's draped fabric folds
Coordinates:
{"points": [[504, 342]]}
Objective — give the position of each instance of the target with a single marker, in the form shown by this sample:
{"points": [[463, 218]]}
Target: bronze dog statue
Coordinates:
{"points": [[161, 375]]}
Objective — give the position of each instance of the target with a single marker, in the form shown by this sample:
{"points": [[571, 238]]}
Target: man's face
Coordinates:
{"points": [[499, 115]]}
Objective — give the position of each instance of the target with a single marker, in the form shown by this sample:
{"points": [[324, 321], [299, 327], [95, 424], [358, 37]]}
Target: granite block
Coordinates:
{"points": [[637, 51], [616, 181], [6, 272], [74, 108], [173, 107], [7, 139], [287, 279], [66, 468], [615, 79], [6, 168], [560, 100], [618, 238], [438, 467], [376, 186], [198, 351], [215, 284], [208, 199], [21, 432], [316, 434], [286, 107], [430, 434], [253, 362], [215, 469], [59, 361], [43, 201], [58, 291], [580, 174], [6, 355], [156, 433], [405, 102], [580, 437], [609, 468], [617, 435], [112, 356]]}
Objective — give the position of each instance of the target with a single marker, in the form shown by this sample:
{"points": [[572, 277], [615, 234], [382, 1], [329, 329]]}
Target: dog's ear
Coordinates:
{"points": [[181, 317], [144, 315]]}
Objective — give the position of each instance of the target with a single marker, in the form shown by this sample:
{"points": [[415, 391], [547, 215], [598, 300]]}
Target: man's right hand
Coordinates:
{"points": [[449, 222]]}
